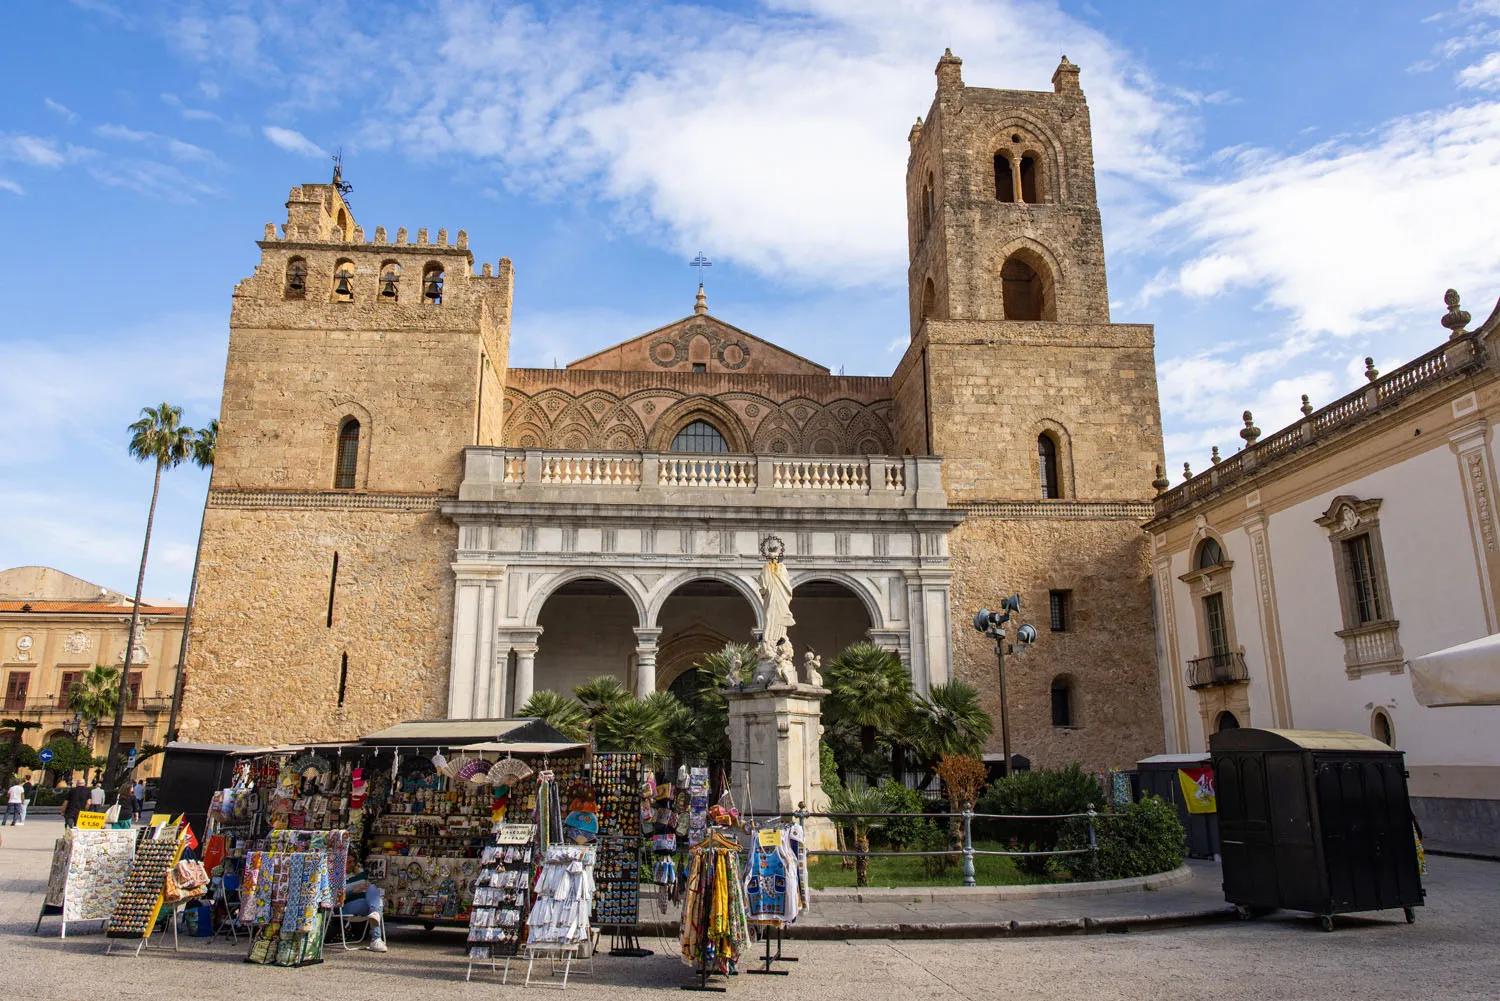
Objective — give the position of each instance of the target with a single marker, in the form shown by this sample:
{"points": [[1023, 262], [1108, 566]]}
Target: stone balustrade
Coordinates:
{"points": [[1454, 359], [516, 474]]}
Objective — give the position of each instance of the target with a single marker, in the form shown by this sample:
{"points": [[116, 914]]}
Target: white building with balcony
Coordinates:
{"points": [[1296, 579]]}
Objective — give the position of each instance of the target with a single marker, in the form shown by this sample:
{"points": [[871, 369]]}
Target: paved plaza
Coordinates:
{"points": [[1453, 951]]}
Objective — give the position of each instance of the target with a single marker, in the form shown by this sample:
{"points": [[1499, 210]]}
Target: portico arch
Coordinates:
{"points": [[831, 614], [565, 577], [588, 628], [699, 614]]}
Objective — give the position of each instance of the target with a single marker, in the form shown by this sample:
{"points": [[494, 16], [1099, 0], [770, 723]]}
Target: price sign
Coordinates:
{"points": [[515, 834], [88, 820], [45, 755], [770, 838]]}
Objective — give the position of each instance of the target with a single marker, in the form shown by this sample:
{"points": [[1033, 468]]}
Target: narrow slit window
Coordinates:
{"points": [[1059, 606], [343, 677], [333, 583], [1062, 702], [1046, 455], [348, 457]]}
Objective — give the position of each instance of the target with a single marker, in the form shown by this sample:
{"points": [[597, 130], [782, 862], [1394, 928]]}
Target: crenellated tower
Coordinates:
{"points": [[359, 367]]}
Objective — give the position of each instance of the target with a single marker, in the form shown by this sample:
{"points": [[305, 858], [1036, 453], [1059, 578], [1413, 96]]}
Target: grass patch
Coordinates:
{"points": [[989, 870]]}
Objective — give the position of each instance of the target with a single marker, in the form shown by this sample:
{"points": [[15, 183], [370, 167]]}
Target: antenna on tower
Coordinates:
{"points": [[339, 183]]}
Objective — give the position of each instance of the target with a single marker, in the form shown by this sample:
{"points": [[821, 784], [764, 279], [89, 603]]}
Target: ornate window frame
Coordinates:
{"points": [[1369, 647], [1206, 581]]}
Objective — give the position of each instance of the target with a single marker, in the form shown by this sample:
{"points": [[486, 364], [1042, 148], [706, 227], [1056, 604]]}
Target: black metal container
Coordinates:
{"points": [[1314, 820]]}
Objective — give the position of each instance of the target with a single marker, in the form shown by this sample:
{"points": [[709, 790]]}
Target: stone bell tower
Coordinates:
{"points": [[1045, 413]]}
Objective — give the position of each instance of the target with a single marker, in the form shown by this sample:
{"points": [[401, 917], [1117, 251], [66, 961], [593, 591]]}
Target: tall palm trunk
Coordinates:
{"points": [[861, 861], [113, 770], [187, 624]]}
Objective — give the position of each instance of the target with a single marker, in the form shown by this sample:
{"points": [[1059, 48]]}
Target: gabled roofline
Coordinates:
{"points": [[824, 370]]}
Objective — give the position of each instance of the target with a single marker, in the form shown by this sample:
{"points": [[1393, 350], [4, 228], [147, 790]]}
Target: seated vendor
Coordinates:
{"points": [[363, 897]]}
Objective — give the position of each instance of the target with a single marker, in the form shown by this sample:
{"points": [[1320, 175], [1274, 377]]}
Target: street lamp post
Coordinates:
{"points": [[992, 624]]}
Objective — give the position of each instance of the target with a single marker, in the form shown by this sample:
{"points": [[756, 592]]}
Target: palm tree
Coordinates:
{"points": [[859, 803], [205, 442], [870, 689], [633, 725], [160, 437], [599, 695], [17, 727], [948, 720], [94, 695], [561, 713]]}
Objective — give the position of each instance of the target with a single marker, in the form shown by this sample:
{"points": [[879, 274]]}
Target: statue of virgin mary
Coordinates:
{"points": [[775, 592]]}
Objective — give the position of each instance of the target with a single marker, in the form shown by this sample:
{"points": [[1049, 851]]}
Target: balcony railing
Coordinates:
{"points": [[494, 473], [55, 704], [1453, 359], [1218, 669]]}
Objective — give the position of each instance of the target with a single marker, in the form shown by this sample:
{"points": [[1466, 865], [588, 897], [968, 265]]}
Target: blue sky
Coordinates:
{"points": [[1287, 187]]}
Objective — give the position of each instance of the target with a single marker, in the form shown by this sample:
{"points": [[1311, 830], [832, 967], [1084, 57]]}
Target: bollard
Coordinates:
{"points": [[968, 847], [1093, 841]]}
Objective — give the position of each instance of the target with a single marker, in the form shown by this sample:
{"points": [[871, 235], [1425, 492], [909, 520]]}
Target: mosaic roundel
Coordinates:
{"points": [[751, 410]]}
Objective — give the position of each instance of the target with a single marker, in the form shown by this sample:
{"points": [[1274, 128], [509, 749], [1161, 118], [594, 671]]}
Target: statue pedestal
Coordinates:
{"points": [[779, 726]]}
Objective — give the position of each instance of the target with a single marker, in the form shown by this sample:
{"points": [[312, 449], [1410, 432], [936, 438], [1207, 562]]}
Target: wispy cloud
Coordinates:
{"points": [[11, 186], [175, 148], [37, 151], [191, 114], [293, 141], [66, 113]]}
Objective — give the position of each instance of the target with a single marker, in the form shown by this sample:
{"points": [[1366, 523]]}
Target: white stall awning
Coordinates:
{"points": [[1463, 675]]}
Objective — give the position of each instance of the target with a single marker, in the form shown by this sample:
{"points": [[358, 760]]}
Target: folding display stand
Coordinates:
{"points": [[142, 897], [505, 877], [768, 959]]}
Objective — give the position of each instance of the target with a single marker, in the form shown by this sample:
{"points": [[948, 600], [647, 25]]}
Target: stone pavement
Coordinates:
{"points": [[1452, 952]]}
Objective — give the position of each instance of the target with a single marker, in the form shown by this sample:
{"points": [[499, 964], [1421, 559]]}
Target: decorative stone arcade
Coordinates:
{"points": [[601, 545]]}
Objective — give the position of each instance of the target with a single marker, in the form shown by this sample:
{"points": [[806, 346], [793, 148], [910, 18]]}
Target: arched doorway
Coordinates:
{"points": [[1226, 720], [830, 617], [698, 618], [588, 629]]}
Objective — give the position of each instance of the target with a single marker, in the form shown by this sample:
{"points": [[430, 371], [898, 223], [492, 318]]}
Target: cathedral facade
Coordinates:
{"points": [[402, 526]]}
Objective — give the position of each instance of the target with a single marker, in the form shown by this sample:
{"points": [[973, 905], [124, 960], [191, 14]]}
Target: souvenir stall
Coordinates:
{"points": [[776, 888], [89, 869]]}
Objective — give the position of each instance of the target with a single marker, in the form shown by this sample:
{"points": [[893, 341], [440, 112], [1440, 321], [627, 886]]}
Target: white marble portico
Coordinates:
{"points": [[534, 521]]}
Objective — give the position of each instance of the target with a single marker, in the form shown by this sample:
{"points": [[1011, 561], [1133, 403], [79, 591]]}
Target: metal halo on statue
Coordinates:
{"points": [[772, 549]]}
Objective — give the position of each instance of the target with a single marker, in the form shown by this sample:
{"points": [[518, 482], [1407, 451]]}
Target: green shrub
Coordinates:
{"points": [[904, 833], [1143, 839], [1044, 791]]}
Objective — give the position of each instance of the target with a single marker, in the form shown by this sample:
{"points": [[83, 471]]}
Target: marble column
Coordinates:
{"points": [[645, 661]]}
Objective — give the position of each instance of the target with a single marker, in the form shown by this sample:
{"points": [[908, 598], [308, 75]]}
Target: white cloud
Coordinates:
{"points": [[11, 186], [1484, 75], [38, 152], [121, 132], [292, 141], [59, 109], [1355, 234]]}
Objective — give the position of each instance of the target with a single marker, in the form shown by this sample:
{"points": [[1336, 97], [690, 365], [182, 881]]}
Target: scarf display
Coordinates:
{"points": [[563, 897], [715, 931]]}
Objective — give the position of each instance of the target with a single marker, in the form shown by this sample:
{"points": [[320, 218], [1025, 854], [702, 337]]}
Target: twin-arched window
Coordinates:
{"points": [[699, 436], [347, 464], [1018, 178]]}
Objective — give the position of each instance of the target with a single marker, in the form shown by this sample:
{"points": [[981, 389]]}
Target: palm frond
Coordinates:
{"points": [[561, 713], [633, 725], [161, 437], [599, 695]]}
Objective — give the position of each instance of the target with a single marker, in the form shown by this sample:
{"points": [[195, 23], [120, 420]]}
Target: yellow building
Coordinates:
{"points": [[54, 627]]}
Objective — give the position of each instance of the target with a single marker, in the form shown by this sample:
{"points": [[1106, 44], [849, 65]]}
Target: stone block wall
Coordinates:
{"points": [[1108, 652], [265, 663]]}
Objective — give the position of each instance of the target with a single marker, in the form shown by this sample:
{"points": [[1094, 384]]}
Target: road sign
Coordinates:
{"points": [[45, 755], [130, 759]]}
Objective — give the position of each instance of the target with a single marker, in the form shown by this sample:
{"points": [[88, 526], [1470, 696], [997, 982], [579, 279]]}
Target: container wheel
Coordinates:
{"points": [[1411, 915], [1243, 912], [428, 927], [1325, 922]]}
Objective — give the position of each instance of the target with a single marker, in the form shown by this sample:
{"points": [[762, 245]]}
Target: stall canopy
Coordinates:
{"points": [[1463, 675], [463, 732]]}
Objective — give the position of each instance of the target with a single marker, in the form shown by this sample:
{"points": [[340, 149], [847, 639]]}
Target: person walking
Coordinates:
{"points": [[16, 796], [139, 792], [96, 795], [78, 801], [30, 788]]}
